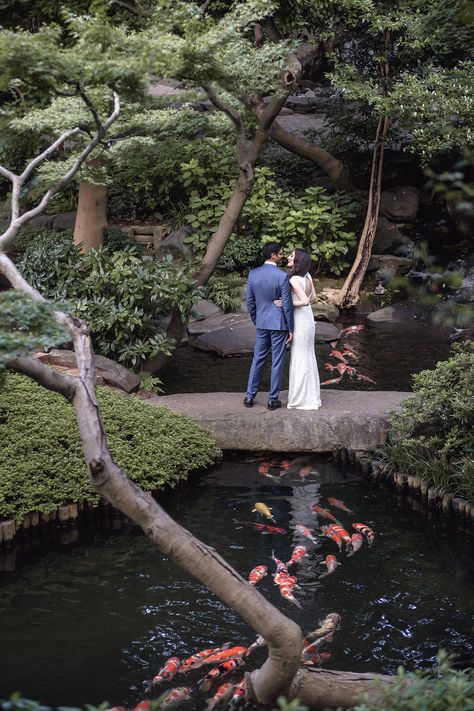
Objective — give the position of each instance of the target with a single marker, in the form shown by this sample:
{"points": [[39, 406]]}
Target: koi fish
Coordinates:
{"points": [[331, 562], [368, 533], [351, 329], [281, 566], [238, 697], [304, 473], [366, 379], [337, 354], [175, 696], [350, 371], [256, 575], [285, 464], [264, 471], [330, 367], [339, 504], [285, 579], [331, 533], [223, 693], [356, 543], [299, 552], [142, 706], [264, 510], [304, 531], [286, 592], [197, 660], [311, 649], [317, 660], [332, 381], [259, 642], [171, 667], [329, 625], [226, 654], [349, 352], [341, 532], [219, 672], [324, 513], [263, 528]]}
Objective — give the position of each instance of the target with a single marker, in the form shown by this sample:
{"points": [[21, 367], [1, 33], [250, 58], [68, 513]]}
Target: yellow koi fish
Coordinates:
{"points": [[264, 510]]}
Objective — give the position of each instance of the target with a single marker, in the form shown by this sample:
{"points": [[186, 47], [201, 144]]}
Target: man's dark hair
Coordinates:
{"points": [[302, 263], [270, 248]]}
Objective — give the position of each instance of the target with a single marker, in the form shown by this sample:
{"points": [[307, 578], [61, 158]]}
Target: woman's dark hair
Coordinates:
{"points": [[302, 264], [270, 248]]}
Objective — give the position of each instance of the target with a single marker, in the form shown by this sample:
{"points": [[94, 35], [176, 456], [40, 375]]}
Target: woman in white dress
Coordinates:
{"points": [[304, 389]]}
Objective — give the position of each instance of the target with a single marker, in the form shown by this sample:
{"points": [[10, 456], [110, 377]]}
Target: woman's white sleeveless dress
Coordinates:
{"points": [[304, 390]]}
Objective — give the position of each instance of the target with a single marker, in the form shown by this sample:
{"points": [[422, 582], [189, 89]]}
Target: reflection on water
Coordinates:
{"points": [[93, 621], [388, 354]]}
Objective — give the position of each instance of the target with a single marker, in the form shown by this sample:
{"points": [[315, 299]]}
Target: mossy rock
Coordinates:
{"points": [[41, 460]]}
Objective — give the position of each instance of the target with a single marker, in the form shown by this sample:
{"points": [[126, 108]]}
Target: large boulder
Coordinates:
{"points": [[176, 245], [204, 309], [400, 204], [404, 311], [108, 371], [214, 323], [65, 220], [325, 312], [389, 266], [389, 239]]}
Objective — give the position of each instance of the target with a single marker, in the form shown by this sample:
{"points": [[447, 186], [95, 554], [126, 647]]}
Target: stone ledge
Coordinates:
{"points": [[353, 419]]}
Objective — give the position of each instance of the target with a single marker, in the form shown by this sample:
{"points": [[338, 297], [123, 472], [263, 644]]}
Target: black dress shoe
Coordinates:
{"points": [[274, 404], [248, 402]]}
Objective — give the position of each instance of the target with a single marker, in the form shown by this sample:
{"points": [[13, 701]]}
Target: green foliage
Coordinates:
{"points": [[26, 325], [433, 432], [123, 297], [441, 689], [150, 383], [285, 705], [225, 292], [41, 459], [314, 220], [240, 255]]}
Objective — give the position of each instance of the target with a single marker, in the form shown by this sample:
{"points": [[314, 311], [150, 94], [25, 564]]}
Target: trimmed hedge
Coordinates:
{"points": [[41, 460]]}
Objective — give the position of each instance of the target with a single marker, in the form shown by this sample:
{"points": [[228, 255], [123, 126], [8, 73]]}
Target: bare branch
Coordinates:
{"points": [[236, 118], [18, 220], [47, 377]]}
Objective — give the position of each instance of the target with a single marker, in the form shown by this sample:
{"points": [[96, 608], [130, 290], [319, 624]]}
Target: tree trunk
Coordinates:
{"points": [[321, 688], [349, 294], [91, 219]]}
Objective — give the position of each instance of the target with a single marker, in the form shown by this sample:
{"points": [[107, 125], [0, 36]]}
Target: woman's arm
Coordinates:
{"points": [[300, 297]]}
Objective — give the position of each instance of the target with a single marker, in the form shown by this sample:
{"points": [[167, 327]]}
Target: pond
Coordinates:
{"points": [[388, 354], [92, 621]]}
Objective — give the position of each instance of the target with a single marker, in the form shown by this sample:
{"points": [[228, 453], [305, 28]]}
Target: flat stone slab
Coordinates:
{"points": [[237, 337], [347, 418]]}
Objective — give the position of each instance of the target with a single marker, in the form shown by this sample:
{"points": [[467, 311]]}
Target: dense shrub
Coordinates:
{"points": [[240, 255], [440, 689], [124, 298], [41, 459], [225, 292], [433, 432]]}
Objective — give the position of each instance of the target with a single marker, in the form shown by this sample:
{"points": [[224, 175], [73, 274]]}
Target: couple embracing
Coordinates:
{"points": [[280, 307]]}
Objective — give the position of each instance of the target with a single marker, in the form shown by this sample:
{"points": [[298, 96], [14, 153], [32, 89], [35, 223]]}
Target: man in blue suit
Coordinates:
{"points": [[274, 323]]}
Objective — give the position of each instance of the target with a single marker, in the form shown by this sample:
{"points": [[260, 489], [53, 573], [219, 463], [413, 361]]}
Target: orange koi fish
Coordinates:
{"points": [[285, 464], [349, 352], [286, 592], [324, 513], [219, 672], [330, 367], [256, 575], [356, 543], [238, 697], [333, 535], [332, 381], [304, 531], [285, 579], [197, 660], [142, 706], [339, 504], [175, 696], [337, 354], [311, 649], [299, 552], [317, 660], [263, 527], [337, 528], [170, 668], [331, 562], [223, 693], [226, 654], [351, 329], [368, 533]]}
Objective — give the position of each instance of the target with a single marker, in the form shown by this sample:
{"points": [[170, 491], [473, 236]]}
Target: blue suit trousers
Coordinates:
{"points": [[266, 341]]}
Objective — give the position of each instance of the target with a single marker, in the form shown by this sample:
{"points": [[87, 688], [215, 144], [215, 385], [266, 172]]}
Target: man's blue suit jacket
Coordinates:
{"points": [[265, 284]]}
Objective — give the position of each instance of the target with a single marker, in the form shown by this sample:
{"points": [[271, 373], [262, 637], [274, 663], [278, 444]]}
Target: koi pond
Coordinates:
{"points": [[89, 622]]}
